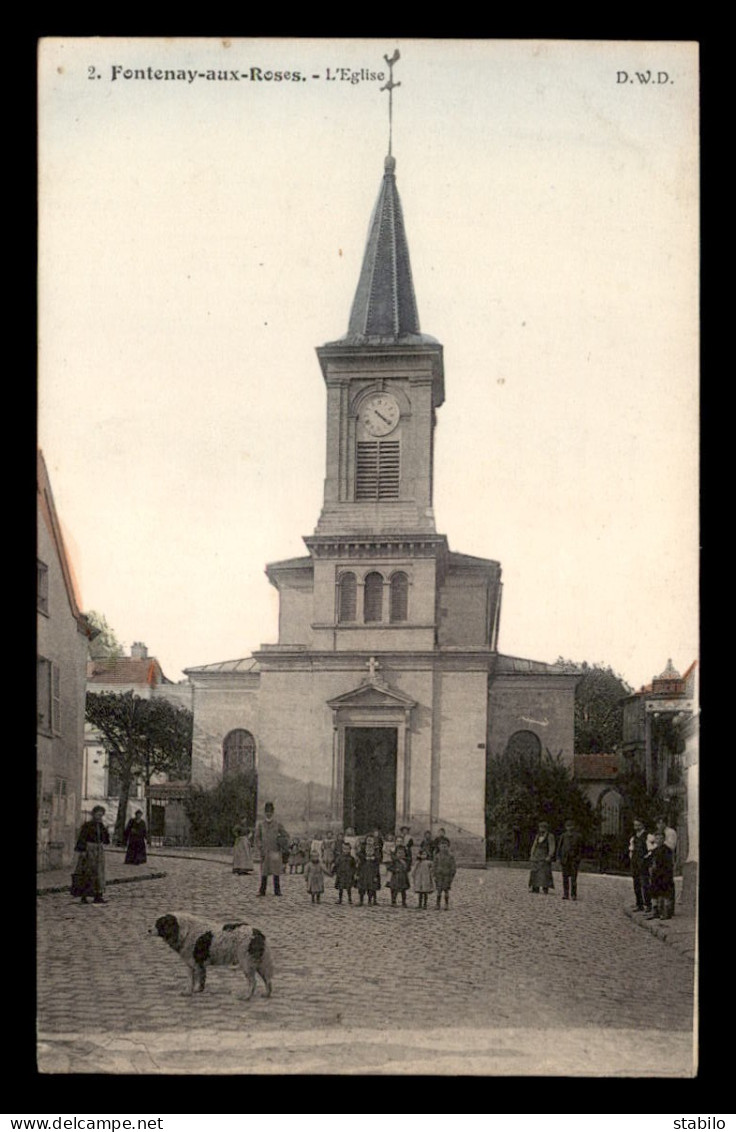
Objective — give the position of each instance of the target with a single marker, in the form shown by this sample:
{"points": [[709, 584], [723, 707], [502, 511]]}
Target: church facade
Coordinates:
{"points": [[385, 691]]}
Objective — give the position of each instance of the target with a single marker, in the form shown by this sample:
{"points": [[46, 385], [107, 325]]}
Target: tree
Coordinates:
{"points": [[521, 791], [213, 813], [598, 708], [105, 643], [142, 738]]}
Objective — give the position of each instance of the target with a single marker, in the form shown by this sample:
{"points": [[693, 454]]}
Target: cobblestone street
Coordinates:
{"points": [[500, 960]]}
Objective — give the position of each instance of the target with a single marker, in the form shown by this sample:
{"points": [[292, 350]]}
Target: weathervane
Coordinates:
{"points": [[390, 88]]}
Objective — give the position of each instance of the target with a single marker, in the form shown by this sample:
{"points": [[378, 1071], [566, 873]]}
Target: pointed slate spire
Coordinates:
{"points": [[384, 307]]}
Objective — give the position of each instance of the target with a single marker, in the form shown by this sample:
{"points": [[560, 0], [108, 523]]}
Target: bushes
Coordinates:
{"points": [[213, 813], [521, 791]]}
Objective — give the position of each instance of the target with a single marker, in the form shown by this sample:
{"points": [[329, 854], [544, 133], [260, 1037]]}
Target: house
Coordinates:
{"points": [[660, 745], [62, 638], [143, 676]]}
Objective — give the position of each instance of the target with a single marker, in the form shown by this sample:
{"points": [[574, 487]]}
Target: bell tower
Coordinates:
{"points": [[385, 381]]}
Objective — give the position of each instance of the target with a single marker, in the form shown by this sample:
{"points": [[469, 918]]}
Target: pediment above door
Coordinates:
{"points": [[375, 695]]}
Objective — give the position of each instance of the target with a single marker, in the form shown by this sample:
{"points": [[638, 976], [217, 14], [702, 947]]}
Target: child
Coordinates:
{"points": [[661, 879], [369, 872], [388, 850], [440, 839], [317, 845], [398, 880], [422, 879], [328, 854], [408, 842], [444, 869], [314, 875], [345, 873], [294, 855]]}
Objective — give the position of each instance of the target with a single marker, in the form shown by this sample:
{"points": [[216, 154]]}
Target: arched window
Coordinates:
{"points": [[399, 597], [347, 599], [525, 746], [238, 752], [373, 597]]}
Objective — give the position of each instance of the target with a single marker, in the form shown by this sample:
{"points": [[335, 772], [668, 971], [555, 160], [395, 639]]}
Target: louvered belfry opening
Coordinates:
{"points": [[378, 469]]}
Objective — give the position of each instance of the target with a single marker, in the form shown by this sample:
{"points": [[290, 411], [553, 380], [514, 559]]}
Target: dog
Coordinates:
{"points": [[201, 945]]}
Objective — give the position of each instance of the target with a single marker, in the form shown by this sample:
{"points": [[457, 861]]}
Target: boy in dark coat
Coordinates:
{"points": [[398, 880], [444, 869], [369, 871], [345, 873], [569, 852]]}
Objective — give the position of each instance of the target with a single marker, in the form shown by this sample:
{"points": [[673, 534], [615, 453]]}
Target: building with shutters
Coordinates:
{"points": [[62, 637]]}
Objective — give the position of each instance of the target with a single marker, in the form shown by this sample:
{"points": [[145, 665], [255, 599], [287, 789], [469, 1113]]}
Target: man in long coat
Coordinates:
{"points": [[271, 842]]}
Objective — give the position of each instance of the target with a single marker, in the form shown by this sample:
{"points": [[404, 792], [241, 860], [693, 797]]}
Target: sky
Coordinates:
{"points": [[199, 237]]}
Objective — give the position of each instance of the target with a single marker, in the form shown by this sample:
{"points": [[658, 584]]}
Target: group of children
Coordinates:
{"points": [[355, 863]]}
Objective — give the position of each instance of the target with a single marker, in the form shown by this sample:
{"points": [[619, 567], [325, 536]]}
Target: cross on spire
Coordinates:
{"points": [[390, 88], [372, 665]]}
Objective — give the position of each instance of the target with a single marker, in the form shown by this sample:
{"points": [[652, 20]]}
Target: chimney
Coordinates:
{"points": [[138, 651]]}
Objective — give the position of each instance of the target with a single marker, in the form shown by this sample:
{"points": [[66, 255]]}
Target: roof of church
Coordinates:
{"points": [[457, 559], [513, 665], [384, 308], [244, 664]]}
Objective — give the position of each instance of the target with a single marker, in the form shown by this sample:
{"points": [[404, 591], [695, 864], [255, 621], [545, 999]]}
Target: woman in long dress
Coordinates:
{"points": [[242, 856], [88, 878], [540, 859], [135, 839]]}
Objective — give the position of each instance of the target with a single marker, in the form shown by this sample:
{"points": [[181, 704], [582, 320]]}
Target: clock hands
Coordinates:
{"points": [[384, 419]]}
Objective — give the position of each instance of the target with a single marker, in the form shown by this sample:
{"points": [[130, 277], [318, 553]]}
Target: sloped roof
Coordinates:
{"points": [[454, 558], [516, 665], [126, 670], [595, 767], [244, 664], [384, 308], [372, 694], [47, 510]]}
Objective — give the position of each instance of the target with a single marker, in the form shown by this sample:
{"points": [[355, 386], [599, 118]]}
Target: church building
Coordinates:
{"points": [[386, 690]]}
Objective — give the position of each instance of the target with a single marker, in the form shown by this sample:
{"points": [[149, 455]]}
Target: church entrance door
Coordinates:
{"points": [[369, 800]]}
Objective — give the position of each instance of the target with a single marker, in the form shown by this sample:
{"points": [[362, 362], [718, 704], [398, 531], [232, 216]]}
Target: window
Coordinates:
{"points": [[525, 746], [55, 699], [347, 599], [399, 608], [42, 587], [43, 694], [48, 696], [373, 597], [378, 470], [238, 752]]}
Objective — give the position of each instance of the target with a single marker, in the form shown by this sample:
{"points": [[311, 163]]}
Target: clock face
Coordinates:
{"points": [[379, 414]]}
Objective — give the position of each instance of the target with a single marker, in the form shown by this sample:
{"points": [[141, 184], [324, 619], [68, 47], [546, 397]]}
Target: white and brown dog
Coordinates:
{"points": [[201, 945]]}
